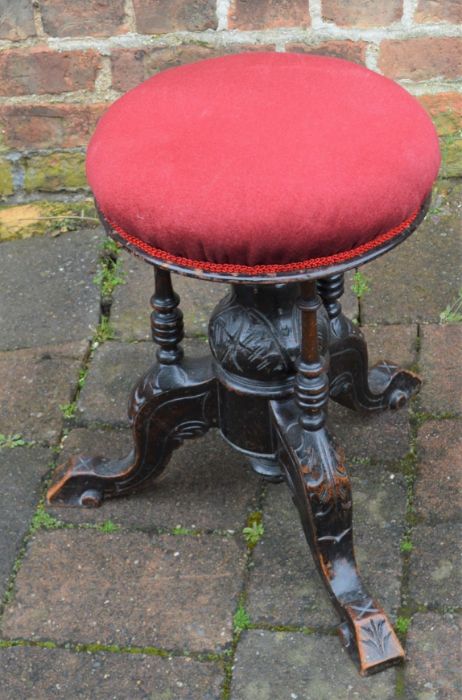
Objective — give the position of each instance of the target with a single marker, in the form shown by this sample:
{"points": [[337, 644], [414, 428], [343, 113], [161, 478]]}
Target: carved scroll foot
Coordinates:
{"points": [[170, 403], [353, 384], [321, 491]]}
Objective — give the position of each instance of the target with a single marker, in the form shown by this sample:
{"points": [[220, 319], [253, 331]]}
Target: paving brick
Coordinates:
{"points": [[362, 13], [350, 50], [396, 344], [35, 383], [438, 11], [421, 58], [45, 674], [131, 66], [114, 370], [382, 437], [416, 280], [36, 71], [434, 657], [174, 16], [81, 18], [21, 470], [17, 20], [268, 14], [285, 587], [440, 369], [48, 294], [438, 493], [435, 575], [130, 312], [208, 486], [287, 665], [172, 592], [48, 125]]}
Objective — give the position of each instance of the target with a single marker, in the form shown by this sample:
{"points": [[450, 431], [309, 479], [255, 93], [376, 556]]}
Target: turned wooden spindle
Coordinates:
{"points": [[311, 382], [166, 319], [331, 289]]}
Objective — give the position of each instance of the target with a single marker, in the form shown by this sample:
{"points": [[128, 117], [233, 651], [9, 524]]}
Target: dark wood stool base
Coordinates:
{"points": [[278, 352]]}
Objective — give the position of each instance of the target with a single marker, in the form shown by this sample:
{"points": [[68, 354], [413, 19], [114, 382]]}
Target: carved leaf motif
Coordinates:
{"points": [[376, 637], [243, 338]]}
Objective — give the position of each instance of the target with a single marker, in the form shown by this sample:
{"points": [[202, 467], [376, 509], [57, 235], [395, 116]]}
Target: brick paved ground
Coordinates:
{"points": [[138, 599]]}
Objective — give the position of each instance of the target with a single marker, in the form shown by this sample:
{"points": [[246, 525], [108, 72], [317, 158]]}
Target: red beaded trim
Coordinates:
{"points": [[264, 269]]}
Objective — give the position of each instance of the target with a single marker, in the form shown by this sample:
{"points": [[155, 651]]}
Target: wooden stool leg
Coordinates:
{"points": [[351, 381], [174, 401], [322, 493]]}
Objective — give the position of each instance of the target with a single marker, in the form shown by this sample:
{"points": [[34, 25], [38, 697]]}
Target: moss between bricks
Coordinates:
{"points": [[39, 218], [6, 179], [54, 172], [449, 127]]}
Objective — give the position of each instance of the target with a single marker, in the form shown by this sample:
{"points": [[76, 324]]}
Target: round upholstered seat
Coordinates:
{"points": [[264, 161]]}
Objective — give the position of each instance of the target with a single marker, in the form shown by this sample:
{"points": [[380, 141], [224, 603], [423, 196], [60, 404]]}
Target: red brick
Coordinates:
{"points": [[446, 111], [159, 16], [80, 17], [16, 20], [439, 11], [47, 126], [36, 71], [351, 50], [422, 58], [267, 14], [131, 66], [362, 13]]}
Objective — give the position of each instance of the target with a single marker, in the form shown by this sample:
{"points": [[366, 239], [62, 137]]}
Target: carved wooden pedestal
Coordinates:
{"points": [[277, 353]]}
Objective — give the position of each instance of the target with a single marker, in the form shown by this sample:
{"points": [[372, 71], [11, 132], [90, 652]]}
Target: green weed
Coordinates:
{"points": [[406, 545], [453, 312], [180, 530], [44, 520], [402, 624], [103, 332], [109, 274], [360, 284], [11, 441], [254, 530], [241, 619], [108, 526], [68, 409]]}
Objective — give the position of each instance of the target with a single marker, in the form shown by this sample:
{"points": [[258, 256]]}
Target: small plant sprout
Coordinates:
{"points": [[453, 312], [68, 409], [104, 332], [10, 441], [109, 275], [241, 619], [406, 545], [254, 530], [360, 284], [402, 624], [82, 376], [108, 526], [43, 520]]}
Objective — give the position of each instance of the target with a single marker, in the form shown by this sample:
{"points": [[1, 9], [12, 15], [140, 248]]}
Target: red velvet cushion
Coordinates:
{"points": [[262, 158]]}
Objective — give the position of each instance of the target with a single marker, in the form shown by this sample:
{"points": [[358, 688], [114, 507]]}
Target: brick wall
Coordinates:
{"points": [[62, 62]]}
